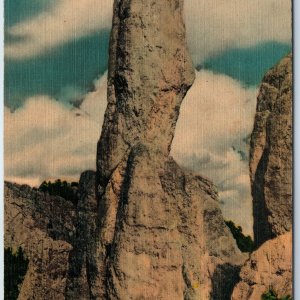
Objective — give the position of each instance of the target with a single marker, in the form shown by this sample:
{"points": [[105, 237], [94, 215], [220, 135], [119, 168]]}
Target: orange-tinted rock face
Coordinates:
{"points": [[271, 155], [269, 268]]}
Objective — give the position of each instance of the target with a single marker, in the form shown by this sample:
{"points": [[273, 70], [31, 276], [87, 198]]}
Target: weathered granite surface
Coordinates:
{"points": [[269, 268], [161, 231], [44, 227], [271, 154]]}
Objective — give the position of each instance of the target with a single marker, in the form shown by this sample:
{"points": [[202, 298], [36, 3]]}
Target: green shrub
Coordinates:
{"points": [[61, 188], [271, 295], [244, 243], [15, 268]]}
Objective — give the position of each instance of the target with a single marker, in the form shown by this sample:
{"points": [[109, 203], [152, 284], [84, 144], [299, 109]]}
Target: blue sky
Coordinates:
{"points": [[67, 72], [56, 53], [18, 11], [248, 65]]}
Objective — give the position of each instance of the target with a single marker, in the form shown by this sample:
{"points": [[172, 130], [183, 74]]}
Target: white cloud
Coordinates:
{"points": [[95, 103], [45, 140], [66, 20], [216, 115], [212, 26]]}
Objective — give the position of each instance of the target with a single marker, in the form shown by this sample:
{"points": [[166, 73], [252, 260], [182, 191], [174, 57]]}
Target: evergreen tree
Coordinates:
{"points": [[244, 243], [15, 268]]}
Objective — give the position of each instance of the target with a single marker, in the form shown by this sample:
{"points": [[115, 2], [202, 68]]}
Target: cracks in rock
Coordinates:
{"points": [[261, 227], [224, 278], [187, 282], [120, 215]]}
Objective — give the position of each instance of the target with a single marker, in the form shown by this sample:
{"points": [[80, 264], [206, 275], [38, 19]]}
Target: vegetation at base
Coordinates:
{"points": [[60, 188], [271, 295], [15, 268], [244, 243]]}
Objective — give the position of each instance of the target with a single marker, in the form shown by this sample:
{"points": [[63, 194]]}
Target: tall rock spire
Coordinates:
{"points": [[161, 233], [150, 71]]}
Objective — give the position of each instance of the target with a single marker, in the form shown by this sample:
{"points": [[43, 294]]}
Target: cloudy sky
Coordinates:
{"points": [[55, 88]]}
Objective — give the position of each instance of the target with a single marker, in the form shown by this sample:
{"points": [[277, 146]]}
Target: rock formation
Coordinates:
{"points": [[193, 244], [56, 236], [81, 259], [143, 228], [269, 268], [271, 155], [150, 72], [161, 232], [43, 227]]}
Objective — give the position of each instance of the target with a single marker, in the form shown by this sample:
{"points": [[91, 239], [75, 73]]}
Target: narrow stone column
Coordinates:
{"points": [[161, 234]]}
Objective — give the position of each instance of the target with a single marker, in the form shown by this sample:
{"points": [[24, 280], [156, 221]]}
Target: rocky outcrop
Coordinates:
{"points": [[57, 238], [81, 259], [161, 233], [143, 228], [170, 240], [269, 268], [193, 244], [43, 226], [271, 155]]}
